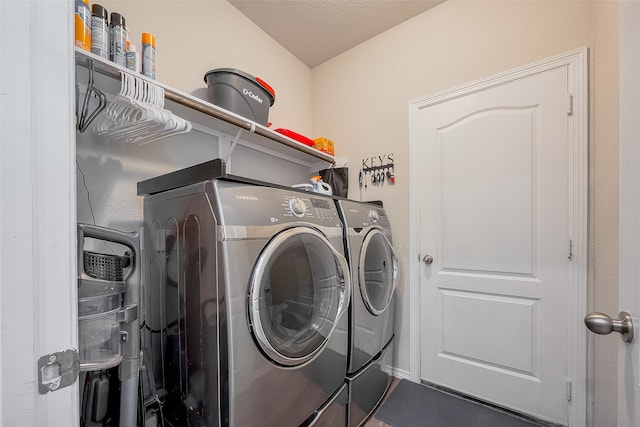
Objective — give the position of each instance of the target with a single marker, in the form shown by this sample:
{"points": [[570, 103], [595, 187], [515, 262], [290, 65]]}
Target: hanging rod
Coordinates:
{"points": [[109, 69]]}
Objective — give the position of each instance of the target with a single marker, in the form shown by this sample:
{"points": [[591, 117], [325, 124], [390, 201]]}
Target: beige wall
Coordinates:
{"points": [[360, 100], [193, 37]]}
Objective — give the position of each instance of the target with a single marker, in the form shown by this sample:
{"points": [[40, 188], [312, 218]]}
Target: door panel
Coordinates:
{"points": [[467, 337], [494, 214], [473, 190]]}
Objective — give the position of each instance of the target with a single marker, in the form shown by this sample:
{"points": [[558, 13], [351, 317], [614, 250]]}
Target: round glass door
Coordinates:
{"points": [[378, 269], [298, 291]]}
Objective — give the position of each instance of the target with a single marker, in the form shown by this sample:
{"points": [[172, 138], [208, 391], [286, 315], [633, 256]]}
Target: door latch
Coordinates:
{"points": [[57, 370]]}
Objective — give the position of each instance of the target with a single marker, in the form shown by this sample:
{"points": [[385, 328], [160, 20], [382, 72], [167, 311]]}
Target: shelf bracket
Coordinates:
{"points": [[233, 145]]}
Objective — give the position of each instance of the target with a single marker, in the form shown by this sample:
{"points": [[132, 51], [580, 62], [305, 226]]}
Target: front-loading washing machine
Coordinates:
{"points": [[248, 290], [374, 269]]}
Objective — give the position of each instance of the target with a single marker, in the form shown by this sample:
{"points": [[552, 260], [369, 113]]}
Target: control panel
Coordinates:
{"points": [[360, 215], [249, 205], [310, 208]]}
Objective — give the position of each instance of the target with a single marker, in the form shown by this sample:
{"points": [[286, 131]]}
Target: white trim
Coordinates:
{"points": [[628, 374], [3, 58], [54, 198], [39, 312], [400, 373], [577, 63], [414, 250]]}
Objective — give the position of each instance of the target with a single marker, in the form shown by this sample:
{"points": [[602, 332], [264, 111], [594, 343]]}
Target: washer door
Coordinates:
{"points": [[299, 289], [378, 268]]}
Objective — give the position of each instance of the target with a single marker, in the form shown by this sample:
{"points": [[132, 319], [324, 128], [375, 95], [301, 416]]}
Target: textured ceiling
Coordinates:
{"points": [[317, 30]]}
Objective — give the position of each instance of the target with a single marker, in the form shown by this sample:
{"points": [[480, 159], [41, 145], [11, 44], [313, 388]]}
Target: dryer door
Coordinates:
{"points": [[299, 289], [378, 268]]}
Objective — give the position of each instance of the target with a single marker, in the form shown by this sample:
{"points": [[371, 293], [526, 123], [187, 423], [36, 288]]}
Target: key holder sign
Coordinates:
{"points": [[377, 170]]}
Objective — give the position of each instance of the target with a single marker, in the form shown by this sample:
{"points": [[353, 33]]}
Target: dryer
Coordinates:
{"points": [[374, 269], [246, 313]]}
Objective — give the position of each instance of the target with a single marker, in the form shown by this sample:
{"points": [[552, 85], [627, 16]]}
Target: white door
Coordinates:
{"points": [[496, 216], [629, 250]]}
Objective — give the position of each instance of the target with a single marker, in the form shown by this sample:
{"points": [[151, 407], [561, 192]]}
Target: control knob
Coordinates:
{"points": [[373, 216], [297, 206]]}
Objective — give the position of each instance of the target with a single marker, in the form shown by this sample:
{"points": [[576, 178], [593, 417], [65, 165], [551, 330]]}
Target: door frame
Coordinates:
{"points": [[577, 104], [629, 157], [38, 208]]}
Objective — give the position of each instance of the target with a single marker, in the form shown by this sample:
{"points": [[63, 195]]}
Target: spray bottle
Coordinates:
{"points": [[118, 39], [149, 55], [83, 25], [100, 31]]}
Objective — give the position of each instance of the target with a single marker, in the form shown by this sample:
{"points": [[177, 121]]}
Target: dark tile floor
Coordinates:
{"points": [[459, 405], [372, 421]]}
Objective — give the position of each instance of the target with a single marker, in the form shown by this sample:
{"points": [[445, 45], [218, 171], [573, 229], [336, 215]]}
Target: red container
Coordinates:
{"points": [[294, 135]]}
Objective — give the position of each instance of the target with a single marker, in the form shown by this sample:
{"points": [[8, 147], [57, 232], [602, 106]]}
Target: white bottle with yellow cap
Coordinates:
{"points": [[149, 55]]}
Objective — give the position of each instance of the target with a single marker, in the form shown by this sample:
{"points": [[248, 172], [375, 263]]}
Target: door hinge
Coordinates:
{"points": [[568, 390], [570, 104], [569, 248], [57, 370]]}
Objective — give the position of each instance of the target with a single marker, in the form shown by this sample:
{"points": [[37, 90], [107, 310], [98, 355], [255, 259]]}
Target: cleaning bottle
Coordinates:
{"points": [[149, 55], [83, 25], [319, 186], [316, 185], [118, 39], [132, 57], [99, 31]]}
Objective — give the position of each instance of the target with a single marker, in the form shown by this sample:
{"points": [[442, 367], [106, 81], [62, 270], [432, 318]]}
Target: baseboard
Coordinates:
{"points": [[398, 373]]}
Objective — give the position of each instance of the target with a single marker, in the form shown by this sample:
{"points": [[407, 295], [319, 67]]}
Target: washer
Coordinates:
{"points": [[374, 269], [247, 305]]}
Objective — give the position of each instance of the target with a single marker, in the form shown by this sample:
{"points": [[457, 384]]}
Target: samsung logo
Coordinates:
{"points": [[243, 197], [252, 95]]}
